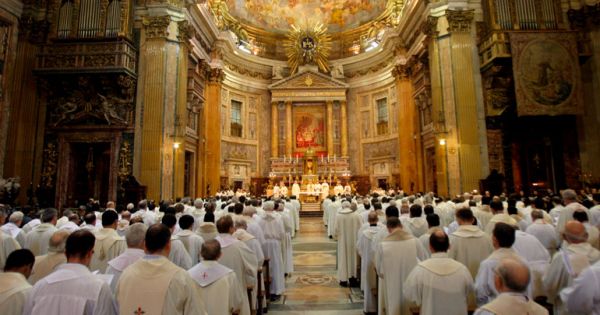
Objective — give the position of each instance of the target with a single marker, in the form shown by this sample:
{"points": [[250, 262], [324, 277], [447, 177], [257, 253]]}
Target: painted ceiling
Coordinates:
{"points": [[278, 15]]}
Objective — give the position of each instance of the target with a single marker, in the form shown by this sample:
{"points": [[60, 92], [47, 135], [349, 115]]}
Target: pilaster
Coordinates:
{"points": [[161, 105], [274, 130], [330, 128], [344, 127], [288, 128], [212, 122]]}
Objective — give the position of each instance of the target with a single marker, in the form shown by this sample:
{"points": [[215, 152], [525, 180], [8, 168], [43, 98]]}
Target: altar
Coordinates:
{"points": [[309, 142]]}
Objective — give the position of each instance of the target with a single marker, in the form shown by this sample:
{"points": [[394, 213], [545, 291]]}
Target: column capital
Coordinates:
{"points": [[460, 21], [429, 26], [401, 72], [185, 31], [215, 75], [156, 26]]}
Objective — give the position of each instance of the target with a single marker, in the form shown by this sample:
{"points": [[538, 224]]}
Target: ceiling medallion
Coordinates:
{"points": [[308, 45]]}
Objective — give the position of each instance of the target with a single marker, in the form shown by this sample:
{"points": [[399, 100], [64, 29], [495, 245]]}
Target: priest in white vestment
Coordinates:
{"points": [[14, 287], [274, 232], [254, 245], [287, 241], [345, 232], [338, 189], [416, 222], [218, 284], [154, 285], [276, 191], [395, 257], [46, 264], [568, 263], [7, 246], [72, 288], [511, 279], [469, 245], [37, 240], [503, 239], [191, 241], [433, 222], [283, 191], [238, 257], [332, 212], [499, 216], [537, 257], [543, 231], [324, 190], [178, 254], [12, 227], [583, 296], [439, 285], [365, 246], [136, 233], [109, 244], [295, 189], [569, 197]]}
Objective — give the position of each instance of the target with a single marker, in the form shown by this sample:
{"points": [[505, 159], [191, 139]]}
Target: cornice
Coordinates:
{"points": [[14, 7]]}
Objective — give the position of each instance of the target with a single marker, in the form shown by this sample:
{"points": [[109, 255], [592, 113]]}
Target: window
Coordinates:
{"points": [[236, 119], [382, 116]]}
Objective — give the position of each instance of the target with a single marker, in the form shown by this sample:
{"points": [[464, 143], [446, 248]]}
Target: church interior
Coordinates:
{"points": [[114, 99], [126, 100]]}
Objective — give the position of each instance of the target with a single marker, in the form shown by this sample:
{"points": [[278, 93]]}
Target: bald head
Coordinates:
{"points": [[512, 275], [56, 243], [211, 250], [372, 218], [575, 232]]}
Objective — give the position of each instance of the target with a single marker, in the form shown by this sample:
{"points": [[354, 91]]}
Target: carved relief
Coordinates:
{"points": [[125, 160], [215, 75], [460, 20], [247, 72], [157, 26], [50, 165], [429, 26], [185, 31]]}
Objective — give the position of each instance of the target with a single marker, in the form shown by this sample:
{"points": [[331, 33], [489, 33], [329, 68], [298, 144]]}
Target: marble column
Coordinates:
{"points": [[456, 95], [288, 128], [212, 131], [161, 100], [407, 129], [344, 127], [274, 129], [330, 128]]}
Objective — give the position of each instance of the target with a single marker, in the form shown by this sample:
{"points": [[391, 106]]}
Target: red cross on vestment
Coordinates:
{"points": [[139, 311]]}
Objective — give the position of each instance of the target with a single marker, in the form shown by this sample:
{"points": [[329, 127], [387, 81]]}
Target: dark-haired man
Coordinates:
{"points": [[190, 240], [439, 285], [469, 244], [503, 239], [178, 254], [511, 279], [109, 244], [217, 282], [416, 222], [154, 283], [13, 282], [72, 288], [499, 216], [395, 256]]}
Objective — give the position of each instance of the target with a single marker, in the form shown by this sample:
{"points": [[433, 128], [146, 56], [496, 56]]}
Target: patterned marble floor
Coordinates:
{"points": [[313, 287]]}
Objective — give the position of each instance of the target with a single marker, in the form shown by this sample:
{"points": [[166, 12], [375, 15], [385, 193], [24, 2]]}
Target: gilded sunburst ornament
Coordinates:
{"points": [[308, 45]]}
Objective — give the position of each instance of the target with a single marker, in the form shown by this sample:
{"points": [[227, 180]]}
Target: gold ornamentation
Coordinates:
{"points": [[308, 45], [185, 31], [308, 81], [460, 21], [429, 26], [401, 72], [247, 72], [50, 165], [125, 163], [157, 26], [225, 21], [216, 75]]}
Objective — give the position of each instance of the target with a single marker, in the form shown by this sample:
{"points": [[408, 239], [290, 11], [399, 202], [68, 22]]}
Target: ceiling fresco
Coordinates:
{"points": [[278, 15]]}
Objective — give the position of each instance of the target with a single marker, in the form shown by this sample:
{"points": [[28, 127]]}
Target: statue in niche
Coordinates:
{"points": [[108, 109]]}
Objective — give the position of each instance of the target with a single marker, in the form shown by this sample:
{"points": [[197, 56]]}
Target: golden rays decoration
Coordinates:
{"points": [[308, 45]]}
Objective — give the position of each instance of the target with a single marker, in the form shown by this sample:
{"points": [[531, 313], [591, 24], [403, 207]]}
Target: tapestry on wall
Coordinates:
{"points": [[547, 75]]}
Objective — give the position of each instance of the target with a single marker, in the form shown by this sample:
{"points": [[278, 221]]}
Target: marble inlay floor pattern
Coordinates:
{"points": [[313, 287]]}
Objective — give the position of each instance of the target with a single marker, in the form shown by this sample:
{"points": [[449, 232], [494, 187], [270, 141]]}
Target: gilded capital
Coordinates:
{"points": [[429, 26], [185, 31], [460, 20], [157, 26], [401, 71], [216, 75]]}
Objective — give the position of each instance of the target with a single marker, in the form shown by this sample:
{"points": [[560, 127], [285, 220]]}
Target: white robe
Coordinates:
{"points": [[192, 243], [178, 294], [288, 254], [418, 226], [14, 290], [345, 232], [557, 277], [217, 285], [71, 289], [118, 264], [256, 248], [108, 246], [45, 265], [31, 225], [238, 257], [296, 190], [469, 245], [545, 233], [274, 232], [37, 240], [395, 256], [365, 246], [179, 255], [439, 285], [537, 257], [567, 214], [15, 232], [332, 212], [583, 296], [324, 190], [7, 246]]}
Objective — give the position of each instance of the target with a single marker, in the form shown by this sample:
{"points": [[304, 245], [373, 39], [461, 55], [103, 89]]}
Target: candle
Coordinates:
{"points": [[297, 158], [334, 158]]}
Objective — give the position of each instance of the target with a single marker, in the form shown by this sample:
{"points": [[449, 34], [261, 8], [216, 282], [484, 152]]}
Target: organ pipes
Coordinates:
{"points": [[93, 18]]}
